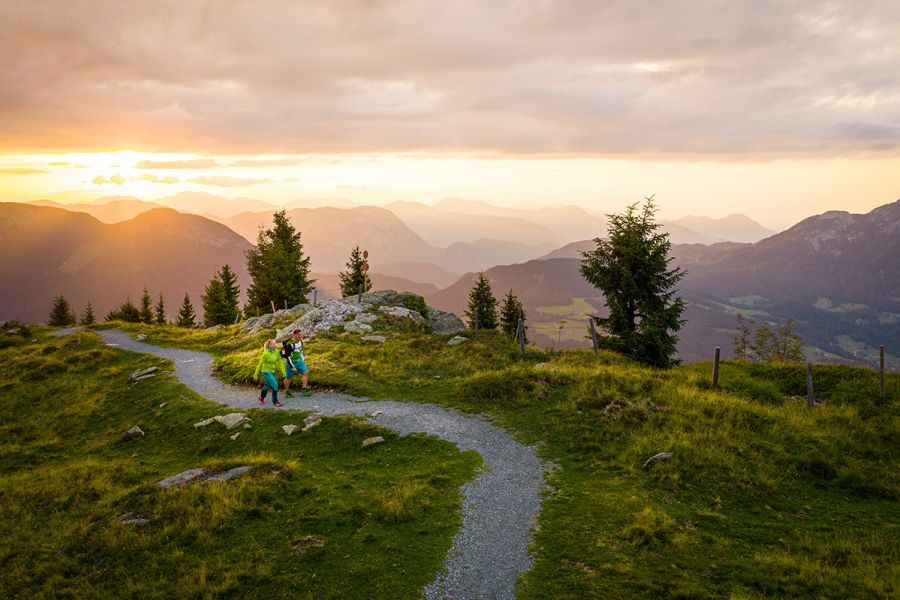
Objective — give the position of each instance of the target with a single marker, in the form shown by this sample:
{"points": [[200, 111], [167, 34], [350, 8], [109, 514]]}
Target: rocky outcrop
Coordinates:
{"points": [[356, 315]]}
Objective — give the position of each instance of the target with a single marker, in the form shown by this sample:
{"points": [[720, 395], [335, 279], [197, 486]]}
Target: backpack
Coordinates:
{"points": [[287, 346]]}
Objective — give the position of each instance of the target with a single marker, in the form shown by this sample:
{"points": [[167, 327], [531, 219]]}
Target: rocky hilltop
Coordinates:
{"points": [[357, 315]]}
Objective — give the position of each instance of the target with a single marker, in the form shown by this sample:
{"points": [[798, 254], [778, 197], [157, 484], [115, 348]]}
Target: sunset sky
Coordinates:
{"points": [[775, 109]]}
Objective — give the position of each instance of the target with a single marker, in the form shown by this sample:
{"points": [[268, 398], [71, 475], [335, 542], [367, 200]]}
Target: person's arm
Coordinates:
{"points": [[281, 368], [259, 366]]}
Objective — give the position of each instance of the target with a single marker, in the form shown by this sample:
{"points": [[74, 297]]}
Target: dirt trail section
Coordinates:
{"points": [[490, 551]]}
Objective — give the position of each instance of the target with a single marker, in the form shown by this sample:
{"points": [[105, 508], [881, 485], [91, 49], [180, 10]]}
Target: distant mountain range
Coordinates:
{"points": [[837, 274], [48, 251]]}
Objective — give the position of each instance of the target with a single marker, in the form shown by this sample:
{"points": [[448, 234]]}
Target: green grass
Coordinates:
{"points": [[316, 517], [763, 497]]}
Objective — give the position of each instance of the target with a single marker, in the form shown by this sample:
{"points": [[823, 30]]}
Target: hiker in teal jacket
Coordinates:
{"points": [[269, 363]]}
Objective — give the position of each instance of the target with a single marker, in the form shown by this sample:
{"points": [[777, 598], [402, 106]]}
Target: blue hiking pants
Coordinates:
{"points": [[269, 382]]}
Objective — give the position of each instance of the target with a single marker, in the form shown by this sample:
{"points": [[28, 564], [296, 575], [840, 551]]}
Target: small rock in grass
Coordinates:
{"points": [[181, 478], [142, 373], [246, 425], [235, 436], [141, 337], [375, 414], [132, 434], [656, 457], [162, 404], [289, 429], [204, 422], [229, 474], [372, 441], [130, 519], [379, 339], [231, 420], [213, 328], [311, 421], [304, 544], [457, 340]]}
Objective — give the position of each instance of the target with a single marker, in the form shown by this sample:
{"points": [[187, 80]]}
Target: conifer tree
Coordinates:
{"points": [[483, 304], [212, 300], [220, 298], [231, 295], [277, 266], [61, 313], [160, 310], [186, 316], [128, 312], [146, 302], [87, 318], [510, 313], [356, 275], [632, 271]]}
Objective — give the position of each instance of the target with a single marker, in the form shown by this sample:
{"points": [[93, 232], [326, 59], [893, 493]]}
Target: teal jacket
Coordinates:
{"points": [[269, 362]]}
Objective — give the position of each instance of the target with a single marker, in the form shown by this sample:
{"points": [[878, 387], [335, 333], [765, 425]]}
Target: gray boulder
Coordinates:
{"points": [[357, 327], [456, 341], [181, 479], [402, 312], [444, 323], [229, 474], [378, 339]]}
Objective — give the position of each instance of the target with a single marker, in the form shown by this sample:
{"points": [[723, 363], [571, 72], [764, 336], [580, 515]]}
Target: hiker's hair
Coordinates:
{"points": [[272, 340], [296, 331]]}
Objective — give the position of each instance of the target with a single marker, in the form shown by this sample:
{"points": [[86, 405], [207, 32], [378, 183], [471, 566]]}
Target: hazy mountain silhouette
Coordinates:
{"points": [[733, 228], [442, 227], [106, 210], [837, 274], [202, 203], [47, 251]]}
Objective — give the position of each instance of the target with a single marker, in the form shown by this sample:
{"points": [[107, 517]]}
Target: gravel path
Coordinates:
{"points": [[490, 550]]}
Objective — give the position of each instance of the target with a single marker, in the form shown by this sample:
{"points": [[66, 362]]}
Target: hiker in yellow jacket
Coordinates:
{"points": [[269, 363]]}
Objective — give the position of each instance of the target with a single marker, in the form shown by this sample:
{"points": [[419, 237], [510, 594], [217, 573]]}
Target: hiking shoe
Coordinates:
{"points": [[261, 401], [306, 393], [277, 404], [288, 395]]}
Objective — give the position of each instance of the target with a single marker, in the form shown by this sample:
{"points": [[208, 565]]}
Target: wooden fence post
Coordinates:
{"points": [[273, 306], [594, 338], [810, 398], [881, 352], [520, 333], [716, 370], [359, 296]]}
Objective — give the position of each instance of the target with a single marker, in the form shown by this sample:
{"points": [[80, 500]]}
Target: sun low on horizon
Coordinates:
{"points": [[778, 114]]}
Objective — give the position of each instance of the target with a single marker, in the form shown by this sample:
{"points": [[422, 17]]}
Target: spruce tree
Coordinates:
{"points": [[87, 318], [186, 316], [212, 300], [61, 313], [160, 311], [483, 304], [632, 271], [510, 313], [231, 295], [220, 298], [277, 266], [146, 302], [128, 312], [356, 275]]}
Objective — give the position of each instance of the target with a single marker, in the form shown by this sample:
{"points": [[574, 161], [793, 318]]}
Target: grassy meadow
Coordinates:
{"points": [[762, 497], [315, 517]]}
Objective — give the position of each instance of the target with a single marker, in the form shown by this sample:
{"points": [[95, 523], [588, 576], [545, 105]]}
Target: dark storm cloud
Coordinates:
{"points": [[700, 77]]}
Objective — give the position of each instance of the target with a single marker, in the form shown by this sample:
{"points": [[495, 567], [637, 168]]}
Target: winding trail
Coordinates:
{"points": [[490, 551]]}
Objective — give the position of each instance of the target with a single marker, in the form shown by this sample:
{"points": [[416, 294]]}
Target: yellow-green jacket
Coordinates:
{"points": [[269, 362]]}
